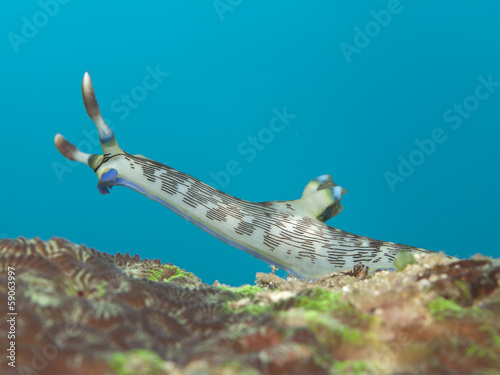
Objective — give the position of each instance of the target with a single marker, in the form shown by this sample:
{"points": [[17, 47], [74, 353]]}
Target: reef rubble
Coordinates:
{"points": [[82, 311]]}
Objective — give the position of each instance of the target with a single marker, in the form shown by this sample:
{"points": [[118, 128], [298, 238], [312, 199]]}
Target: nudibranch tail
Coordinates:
{"points": [[321, 198]]}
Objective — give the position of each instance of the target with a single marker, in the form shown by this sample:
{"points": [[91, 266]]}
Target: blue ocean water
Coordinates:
{"points": [[398, 100]]}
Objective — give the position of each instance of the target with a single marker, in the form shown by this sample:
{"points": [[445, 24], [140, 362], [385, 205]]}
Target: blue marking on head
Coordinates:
{"points": [[323, 178], [109, 175], [337, 193], [103, 188]]}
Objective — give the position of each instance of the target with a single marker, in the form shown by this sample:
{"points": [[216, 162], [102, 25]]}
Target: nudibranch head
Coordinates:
{"points": [[107, 174]]}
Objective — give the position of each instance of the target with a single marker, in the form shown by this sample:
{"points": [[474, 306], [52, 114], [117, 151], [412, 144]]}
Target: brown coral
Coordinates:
{"points": [[82, 311], [464, 281]]}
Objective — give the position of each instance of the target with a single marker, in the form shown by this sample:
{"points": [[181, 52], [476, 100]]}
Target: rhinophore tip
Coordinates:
{"points": [[106, 136], [69, 150], [89, 100]]}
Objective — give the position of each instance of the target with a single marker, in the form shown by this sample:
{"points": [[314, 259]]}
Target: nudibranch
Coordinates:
{"points": [[291, 235]]}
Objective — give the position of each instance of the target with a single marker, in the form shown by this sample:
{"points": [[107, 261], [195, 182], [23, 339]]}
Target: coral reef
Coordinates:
{"points": [[81, 311]]}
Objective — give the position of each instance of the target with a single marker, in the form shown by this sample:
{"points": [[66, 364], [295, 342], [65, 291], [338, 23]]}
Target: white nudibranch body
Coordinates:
{"points": [[291, 235]]}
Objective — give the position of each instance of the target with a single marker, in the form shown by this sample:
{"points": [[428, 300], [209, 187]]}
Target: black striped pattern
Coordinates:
{"points": [[298, 241]]}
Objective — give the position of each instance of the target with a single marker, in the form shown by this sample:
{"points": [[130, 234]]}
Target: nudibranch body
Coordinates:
{"points": [[291, 235]]}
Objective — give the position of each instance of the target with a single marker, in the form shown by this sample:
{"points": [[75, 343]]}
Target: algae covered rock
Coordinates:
{"points": [[81, 311]]}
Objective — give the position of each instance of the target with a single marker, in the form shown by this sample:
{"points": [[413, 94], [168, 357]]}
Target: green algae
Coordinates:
{"points": [[489, 372], [321, 300], [442, 308], [493, 339], [355, 367], [168, 273], [155, 275], [323, 310], [474, 350], [496, 339], [98, 291], [254, 309], [327, 328], [344, 333], [443, 305], [136, 361], [101, 289], [244, 290], [464, 289], [402, 259], [236, 367]]}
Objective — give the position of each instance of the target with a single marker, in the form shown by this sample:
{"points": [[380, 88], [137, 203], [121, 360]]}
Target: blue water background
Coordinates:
{"points": [[362, 104]]}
